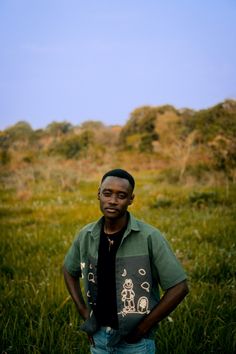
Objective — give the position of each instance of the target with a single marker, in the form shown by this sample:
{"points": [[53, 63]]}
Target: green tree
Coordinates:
{"points": [[59, 128], [73, 146], [20, 131], [217, 120], [92, 125], [142, 126]]}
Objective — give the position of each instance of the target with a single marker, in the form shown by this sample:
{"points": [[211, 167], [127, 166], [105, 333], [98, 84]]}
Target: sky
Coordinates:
{"points": [[78, 60]]}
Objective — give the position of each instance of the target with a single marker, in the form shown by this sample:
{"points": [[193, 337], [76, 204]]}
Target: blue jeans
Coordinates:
{"points": [[102, 337]]}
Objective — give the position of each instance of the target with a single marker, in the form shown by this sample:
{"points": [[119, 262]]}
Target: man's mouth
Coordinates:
{"points": [[111, 210]]}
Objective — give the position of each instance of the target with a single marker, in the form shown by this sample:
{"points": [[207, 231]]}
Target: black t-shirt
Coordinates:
{"points": [[106, 307]]}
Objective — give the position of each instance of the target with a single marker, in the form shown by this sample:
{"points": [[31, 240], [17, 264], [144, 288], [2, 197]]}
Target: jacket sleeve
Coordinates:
{"points": [[72, 261], [166, 265]]}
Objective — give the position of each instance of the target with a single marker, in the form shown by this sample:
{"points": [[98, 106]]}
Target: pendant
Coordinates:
{"points": [[111, 242]]}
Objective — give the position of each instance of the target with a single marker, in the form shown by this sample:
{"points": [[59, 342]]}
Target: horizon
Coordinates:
{"points": [[109, 125]]}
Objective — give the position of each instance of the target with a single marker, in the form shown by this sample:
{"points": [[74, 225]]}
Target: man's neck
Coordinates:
{"points": [[112, 226]]}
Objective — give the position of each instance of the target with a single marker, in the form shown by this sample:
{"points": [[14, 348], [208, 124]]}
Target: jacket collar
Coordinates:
{"points": [[95, 228]]}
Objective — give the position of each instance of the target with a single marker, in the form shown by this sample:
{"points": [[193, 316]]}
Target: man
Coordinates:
{"points": [[122, 261]]}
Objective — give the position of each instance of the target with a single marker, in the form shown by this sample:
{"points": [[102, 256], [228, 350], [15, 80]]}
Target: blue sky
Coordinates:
{"points": [[80, 60]]}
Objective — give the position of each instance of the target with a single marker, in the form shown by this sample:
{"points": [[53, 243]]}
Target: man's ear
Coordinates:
{"points": [[131, 199], [98, 195]]}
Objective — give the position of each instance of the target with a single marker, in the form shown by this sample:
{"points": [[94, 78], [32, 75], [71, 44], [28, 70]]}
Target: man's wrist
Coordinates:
{"points": [[84, 313], [137, 334], [142, 330]]}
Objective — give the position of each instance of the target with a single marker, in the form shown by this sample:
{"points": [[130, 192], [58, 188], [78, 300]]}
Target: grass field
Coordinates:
{"points": [[37, 315]]}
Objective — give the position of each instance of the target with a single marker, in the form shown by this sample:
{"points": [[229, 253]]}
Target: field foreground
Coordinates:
{"points": [[36, 229]]}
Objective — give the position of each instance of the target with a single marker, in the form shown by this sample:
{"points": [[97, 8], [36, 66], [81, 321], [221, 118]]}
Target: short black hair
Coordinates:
{"points": [[118, 172]]}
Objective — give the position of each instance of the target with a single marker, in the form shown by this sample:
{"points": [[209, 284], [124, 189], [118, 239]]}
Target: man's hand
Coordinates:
{"points": [[91, 340], [135, 336]]}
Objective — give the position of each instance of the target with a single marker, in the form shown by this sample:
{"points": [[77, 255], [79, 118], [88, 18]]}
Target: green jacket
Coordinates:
{"points": [[144, 261]]}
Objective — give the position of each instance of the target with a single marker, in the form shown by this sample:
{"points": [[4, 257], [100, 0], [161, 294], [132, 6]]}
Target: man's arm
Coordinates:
{"points": [[169, 301], [73, 286]]}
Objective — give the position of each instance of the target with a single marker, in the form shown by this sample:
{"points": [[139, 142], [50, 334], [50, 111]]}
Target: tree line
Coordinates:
{"points": [[189, 137]]}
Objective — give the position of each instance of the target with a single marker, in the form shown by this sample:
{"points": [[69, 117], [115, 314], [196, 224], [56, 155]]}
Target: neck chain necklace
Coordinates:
{"points": [[115, 236], [111, 242]]}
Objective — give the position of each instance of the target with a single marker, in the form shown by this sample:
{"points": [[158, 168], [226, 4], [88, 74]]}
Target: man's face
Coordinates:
{"points": [[115, 195]]}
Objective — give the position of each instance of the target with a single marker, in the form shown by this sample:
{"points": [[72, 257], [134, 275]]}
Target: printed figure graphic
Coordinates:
{"points": [[128, 295], [142, 306], [128, 298]]}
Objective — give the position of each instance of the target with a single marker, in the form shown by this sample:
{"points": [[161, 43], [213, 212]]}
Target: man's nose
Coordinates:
{"points": [[113, 199]]}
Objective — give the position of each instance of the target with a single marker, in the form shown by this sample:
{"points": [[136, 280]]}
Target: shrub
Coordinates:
{"points": [[20, 131], [73, 146], [142, 123]]}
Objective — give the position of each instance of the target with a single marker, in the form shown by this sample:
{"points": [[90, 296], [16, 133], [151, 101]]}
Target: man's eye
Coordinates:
{"points": [[121, 196], [107, 194]]}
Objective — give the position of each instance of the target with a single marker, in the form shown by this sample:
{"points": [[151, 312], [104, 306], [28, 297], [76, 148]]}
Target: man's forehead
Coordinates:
{"points": [[115, 181]]}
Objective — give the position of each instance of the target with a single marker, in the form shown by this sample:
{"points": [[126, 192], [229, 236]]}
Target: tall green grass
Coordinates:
{"points": [[38, 316]]}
